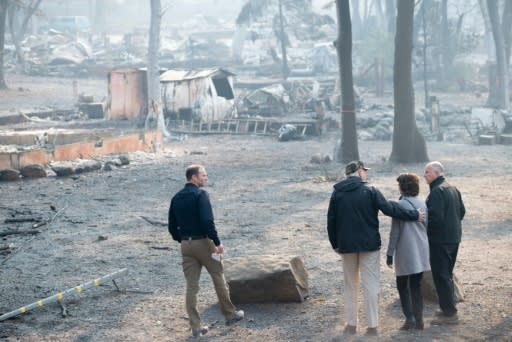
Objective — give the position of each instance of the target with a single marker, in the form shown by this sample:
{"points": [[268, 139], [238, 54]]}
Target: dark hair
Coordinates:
{"points": [[192, 170], [409, 184]]}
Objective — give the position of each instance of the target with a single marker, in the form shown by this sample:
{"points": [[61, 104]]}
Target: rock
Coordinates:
{"points": [[383, 132], [124, 160], [49, 171], [8, 175], [118, 162], [33, 171], [63, 169], [266, 278], [320, 158], [87, 166], [428, 288], [111, 164]]}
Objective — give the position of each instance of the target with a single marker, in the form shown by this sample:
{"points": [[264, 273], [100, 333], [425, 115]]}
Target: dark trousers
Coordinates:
{"points": [[409, 289], [442, 262]]}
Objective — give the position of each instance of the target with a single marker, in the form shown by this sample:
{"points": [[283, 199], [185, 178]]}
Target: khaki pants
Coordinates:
{"points": [[366, 265], [196, 254]]}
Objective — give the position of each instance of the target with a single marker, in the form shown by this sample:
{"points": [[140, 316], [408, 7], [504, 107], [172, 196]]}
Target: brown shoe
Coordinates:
{"points": [[350, 329], [200, 332], [239, 315]]}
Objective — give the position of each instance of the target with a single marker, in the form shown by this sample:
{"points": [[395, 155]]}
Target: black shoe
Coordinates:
{"points": [[372, 332], [419, 325], [439, 313], [350, 329], [408, 325]]}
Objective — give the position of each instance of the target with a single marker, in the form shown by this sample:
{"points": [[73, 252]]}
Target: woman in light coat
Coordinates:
{"points": [[408, 246]]}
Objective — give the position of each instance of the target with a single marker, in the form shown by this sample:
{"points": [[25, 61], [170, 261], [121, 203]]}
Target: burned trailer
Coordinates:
{"points": [[204, 95]]}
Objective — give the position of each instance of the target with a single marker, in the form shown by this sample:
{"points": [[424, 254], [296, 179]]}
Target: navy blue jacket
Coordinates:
{"points": [[190, 214], [445, 212], [352, 217]]}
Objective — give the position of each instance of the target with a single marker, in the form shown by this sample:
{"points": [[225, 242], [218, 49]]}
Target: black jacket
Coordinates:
{"points": [[352, 217], [445, 212], [190, 214]]}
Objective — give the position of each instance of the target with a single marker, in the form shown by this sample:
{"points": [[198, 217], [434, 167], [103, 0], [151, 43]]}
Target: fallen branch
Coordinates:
{"points": [[19, 232], [161, 248], [6, 247], [22, 219], [39, 224], [57, 213], [153, 222]]}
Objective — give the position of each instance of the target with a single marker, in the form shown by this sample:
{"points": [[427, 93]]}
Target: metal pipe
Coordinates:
{"points": [[61, 295]]}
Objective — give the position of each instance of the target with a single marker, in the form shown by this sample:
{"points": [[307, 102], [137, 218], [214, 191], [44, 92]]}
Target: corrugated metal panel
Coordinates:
{"points": [[182, 75], [128, 96]]}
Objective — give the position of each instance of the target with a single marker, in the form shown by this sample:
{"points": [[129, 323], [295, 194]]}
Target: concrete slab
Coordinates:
{"points": [[79, 146]]}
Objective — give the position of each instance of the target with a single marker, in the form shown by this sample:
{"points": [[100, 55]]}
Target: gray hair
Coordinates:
{"points": [[436, 166]]}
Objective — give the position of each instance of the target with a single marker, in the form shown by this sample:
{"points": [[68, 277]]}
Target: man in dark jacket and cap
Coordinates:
{"points": [[353, 228], [444, 230]]}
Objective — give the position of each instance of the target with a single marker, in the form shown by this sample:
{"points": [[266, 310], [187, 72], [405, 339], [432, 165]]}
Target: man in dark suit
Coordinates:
{"points": [[445, 213]]}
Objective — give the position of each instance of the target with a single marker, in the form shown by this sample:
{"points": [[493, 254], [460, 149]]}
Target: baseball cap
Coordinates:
{"points": [[355, 165]]}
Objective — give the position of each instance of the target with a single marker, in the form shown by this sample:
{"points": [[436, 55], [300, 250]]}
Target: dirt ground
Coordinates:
{"points": [[268, 199]]}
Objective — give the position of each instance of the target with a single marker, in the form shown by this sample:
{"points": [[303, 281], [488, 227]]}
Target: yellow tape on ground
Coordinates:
{"points": [[97, 282], [39, 303], [23, 309], [78, 289]]}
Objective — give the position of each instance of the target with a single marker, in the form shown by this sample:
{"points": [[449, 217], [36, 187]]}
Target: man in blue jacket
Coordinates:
{"points": [[191, 223], [353, 229], [445, 213]]}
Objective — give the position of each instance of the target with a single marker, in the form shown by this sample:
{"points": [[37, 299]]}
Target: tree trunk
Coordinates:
{"points": [[357, 22], [506, 23], [491, 52], [408, 144], [3, 15], [283, 40], [154, 91], [446, 43], [423, 10], [348, 150], [12, 10], [18, 33], [391, 15], [502, 100]]}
